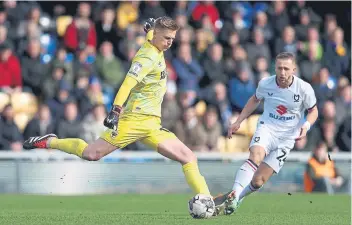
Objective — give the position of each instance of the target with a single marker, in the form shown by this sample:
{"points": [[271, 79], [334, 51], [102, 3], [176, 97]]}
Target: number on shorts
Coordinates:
{"points": [[282, 157]]}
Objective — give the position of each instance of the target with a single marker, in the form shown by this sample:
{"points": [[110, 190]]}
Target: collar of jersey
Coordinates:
{"points": [[153, 47], [293, 78]]}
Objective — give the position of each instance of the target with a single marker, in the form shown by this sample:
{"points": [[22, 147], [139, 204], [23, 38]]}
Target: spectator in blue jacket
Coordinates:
{"points": [[187, 68]]}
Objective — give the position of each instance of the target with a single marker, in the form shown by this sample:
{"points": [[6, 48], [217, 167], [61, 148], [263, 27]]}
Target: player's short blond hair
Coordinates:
{"points": [[165, 22], [286, 55]]}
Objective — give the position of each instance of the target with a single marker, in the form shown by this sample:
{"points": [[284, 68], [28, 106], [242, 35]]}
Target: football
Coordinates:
{"points": [[201, 206]]}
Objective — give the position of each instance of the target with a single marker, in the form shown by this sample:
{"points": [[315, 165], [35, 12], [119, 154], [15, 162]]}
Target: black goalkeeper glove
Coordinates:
{"points": [[112, 120], [149, 24]]}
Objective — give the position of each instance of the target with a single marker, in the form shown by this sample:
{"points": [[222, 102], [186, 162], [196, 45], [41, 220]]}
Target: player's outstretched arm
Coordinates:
{"points": [[111, 121], [248, 109]]}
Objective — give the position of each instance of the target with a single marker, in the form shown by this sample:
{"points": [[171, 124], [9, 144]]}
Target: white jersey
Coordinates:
{"points": [[284, 107]]}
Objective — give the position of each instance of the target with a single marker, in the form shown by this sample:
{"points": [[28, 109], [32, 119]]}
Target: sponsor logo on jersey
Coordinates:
{"points": [[283, 118], [281, 110]]}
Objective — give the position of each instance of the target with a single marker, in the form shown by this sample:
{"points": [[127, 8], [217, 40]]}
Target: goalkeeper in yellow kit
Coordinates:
{"points": [[144, 87]]}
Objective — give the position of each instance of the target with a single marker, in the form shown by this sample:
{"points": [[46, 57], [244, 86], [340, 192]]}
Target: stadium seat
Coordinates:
{"points": [[252, 124], [21, 120], [24, 102], [238, 143], [200, 108], [62, 23], [4, 100], [222, 144]]}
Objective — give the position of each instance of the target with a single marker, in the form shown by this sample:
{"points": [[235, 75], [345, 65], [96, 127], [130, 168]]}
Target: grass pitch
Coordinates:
{"points": [[263, 209]]}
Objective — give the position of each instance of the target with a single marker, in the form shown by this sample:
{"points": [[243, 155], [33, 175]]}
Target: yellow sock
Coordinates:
{"points": [[194, 179], [73, 146]]}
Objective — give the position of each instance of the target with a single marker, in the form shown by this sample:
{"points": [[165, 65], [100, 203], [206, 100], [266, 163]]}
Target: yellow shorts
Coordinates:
{"points": [[138, 127]]}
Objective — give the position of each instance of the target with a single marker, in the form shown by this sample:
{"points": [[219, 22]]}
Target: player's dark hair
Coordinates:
{"points": [[286, 55], [165, 22]]}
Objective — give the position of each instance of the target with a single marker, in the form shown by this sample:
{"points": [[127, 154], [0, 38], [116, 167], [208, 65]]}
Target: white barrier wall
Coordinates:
{"points": [[42, 172]]}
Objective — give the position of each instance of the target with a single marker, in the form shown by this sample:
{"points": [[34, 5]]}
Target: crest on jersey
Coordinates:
{"points": [[296, 98], [256, 139], [135, 68]]}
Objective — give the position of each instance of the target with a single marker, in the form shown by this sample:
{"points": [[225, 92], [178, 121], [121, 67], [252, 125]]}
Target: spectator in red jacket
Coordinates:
{"points": [[81, 33], [206, 8], [10, 70]]}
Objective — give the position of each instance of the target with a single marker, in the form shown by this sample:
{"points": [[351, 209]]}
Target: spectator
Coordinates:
{"points": [[201, 43], [343, 104], [171, 111], [109, 67], [279, 16], [235, 24], [212, 128], [261, 22], [206, 8], [190, 131], [321, 175], [65, 59], [298, 7], [330, 25], [343, 137], [69, 126], [127, 13], [336, 55], [310, 67], [93, 124], [188, 70], [33, 17], [4, 39], [261, 68], [10, 70], [313, 39], [303, 26], [106, 29], [84, 61], [33, 70], [81, 34], [57, 103], [213, 67], [11, 136], [258, 47], [32, 32], [323, 88], [52, 82], [152, 9], [287, 42], [41, 124], [241, 88]]}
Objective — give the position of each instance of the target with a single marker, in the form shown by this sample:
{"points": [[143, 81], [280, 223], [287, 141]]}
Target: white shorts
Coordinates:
{"points": [[276, 149]]}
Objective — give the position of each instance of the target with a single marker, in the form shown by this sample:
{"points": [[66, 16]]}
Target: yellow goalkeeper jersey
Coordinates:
{"points": [[149, 69]]}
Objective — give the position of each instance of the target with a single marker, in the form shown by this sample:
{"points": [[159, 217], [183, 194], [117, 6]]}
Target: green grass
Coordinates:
{"points": [[260, 209]]}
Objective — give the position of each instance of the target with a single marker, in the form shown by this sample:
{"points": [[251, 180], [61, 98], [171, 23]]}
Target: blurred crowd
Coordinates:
{"points": [[60, 72]]}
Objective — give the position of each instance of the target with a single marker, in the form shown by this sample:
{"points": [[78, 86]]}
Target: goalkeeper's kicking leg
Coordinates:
{"points": [[75, 146]]}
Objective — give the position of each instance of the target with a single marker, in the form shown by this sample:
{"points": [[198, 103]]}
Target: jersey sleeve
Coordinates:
{"points": [[140, 67], [309, 97], [259, 93]]}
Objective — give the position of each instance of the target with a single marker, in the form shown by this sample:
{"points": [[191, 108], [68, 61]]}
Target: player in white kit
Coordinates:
{"points": [[286, 98]]}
